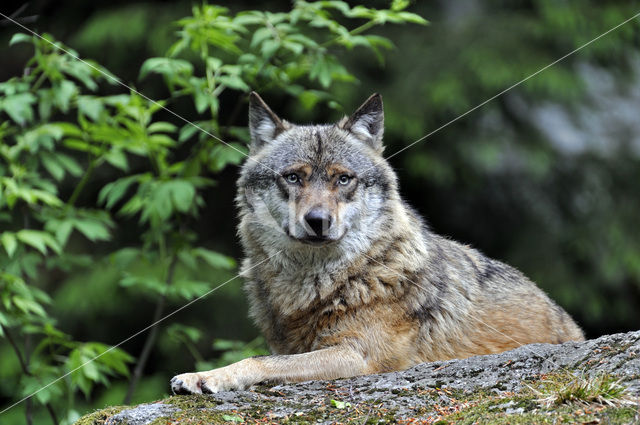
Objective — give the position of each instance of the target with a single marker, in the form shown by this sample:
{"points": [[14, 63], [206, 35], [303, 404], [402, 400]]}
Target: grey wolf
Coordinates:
{"points": [[345, 279]]}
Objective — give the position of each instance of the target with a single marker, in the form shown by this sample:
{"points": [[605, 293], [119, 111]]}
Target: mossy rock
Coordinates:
{"points": [[596, 381]]}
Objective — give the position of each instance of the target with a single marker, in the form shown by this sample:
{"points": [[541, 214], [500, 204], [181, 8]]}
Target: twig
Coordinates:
{"points": [[82, 183], [151, 338], [25, 368]]}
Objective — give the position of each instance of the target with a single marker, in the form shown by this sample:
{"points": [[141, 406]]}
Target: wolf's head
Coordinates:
{"points": [[322, 186]]}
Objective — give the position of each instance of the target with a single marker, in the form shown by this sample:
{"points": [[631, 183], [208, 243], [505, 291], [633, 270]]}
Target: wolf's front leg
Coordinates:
{"points": [[328, 363]]}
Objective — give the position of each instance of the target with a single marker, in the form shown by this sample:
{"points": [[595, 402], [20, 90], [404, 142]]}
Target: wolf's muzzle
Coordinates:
{"points": [[319, 221]]}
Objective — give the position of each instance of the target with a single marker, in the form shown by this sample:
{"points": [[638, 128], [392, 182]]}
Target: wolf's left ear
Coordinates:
{"points": [[367, 123], [264, 124]]}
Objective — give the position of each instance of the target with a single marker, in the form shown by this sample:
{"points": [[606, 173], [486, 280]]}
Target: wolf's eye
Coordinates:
{"points": [[344, 179], [292, 178]]}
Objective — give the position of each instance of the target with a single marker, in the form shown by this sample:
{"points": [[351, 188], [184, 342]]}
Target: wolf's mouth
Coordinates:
{"points": [[315, 240]]}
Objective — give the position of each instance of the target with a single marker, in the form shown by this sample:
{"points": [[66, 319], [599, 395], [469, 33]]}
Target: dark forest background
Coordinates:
{"points": [[545, 177]]}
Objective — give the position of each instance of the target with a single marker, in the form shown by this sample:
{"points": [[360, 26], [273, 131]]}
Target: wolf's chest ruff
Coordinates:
{"points": [[301, 310]]}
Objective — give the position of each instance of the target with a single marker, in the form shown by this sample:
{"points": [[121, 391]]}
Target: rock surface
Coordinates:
{"points": [[518, 386]]}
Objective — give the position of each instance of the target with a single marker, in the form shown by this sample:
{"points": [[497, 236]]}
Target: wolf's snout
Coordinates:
{"points": [[319, 221]]}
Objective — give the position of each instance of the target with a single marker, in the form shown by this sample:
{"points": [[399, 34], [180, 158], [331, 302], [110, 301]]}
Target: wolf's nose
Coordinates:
{"points": [[319, 220]]}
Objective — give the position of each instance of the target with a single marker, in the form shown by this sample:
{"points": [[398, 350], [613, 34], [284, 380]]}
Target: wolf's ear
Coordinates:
{"points": [[264, 124], [367, 123]]}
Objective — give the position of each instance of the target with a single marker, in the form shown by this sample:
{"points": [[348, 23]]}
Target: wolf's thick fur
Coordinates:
{"points": [[344, 278]]}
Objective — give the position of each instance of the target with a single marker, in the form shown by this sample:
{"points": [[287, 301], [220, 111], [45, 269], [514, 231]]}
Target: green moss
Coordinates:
{"points": [[578, 400], [624, 415], [565, 414], [99, 417], [194, 417], [361, 413], [194, 401]]}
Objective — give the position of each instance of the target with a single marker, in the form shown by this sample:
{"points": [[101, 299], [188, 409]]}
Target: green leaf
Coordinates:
{"points": [[234, 82], [114, 359], [340, 404], [82, 71], [201, 100], [296, 48], [18, 107], [39, 240], [82, 146], [214, 259], [69, 164], [186, 132], [20, 38], [148, 283], [232, 418], [45, 197], [188, 259], [33, 384], [72, 416], [260, 35], [45, 104], [90, 106], [117, 158], [213, 63], [28, 305], [182, 194], [227, 344], [41, 137], [327, 69], [33, 238], [168, 67], [63, 231], [180, 333], [321, 72], [62, 94], [93, 229], [161, 127], [90, 370], [9, 242], [269, 47], [66, 129], [75, 364], [309, 98], [398, 5], [222, 155], [251, 17], [412, 18], [114, 191], [49, 161], [125, 256], [133, 206], [188, 289]]}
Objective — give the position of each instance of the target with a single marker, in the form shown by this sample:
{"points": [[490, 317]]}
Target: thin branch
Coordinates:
{"points": [[85, 178], [151, 338], [16, 349], [25, 368], [358, 30]]}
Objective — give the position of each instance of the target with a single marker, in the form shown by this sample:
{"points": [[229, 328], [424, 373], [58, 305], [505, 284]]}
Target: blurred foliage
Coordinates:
{"points": [[501, 177], [94, 179], [114, 209]]}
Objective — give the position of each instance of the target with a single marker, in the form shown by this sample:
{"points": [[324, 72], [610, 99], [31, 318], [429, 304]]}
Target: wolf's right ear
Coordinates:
{"points": [[367, 123], [264, 124]]}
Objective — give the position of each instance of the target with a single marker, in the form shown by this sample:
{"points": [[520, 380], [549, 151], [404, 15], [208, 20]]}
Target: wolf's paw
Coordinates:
{"points": [[213, 381], [186, 383]]}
